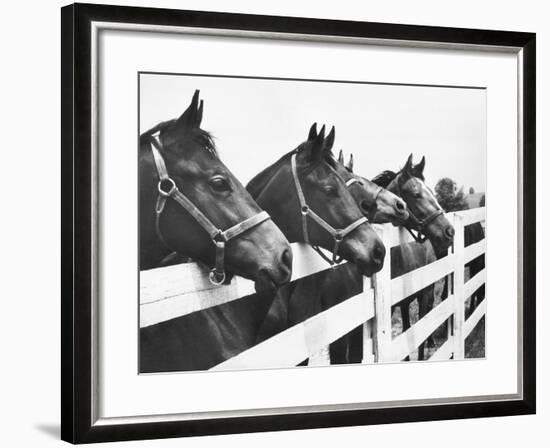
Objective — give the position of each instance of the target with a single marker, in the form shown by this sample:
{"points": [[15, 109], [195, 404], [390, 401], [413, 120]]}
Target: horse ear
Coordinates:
{"points": [[349, 166], [408, 168], [192, 116], [312, 132], [329, 141], [316, 151], [419, 169], [198, 120], [341, 157]]}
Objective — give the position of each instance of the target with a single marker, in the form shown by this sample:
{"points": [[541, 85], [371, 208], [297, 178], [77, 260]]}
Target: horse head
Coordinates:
{"points": [[378, 204], [426, 215], [191, 203], [310, 202]]}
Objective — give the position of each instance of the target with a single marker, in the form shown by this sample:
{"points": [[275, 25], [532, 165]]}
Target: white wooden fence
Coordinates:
{"points": [[175, 291]]}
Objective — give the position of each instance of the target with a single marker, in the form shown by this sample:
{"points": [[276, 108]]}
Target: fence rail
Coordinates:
{"points": [[175, 291]]}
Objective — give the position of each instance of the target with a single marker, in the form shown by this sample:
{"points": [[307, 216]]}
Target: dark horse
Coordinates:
{"points": [[309, 200], [379, 205], [426, 217], [298, 301], [186, 181], [260, 253]]}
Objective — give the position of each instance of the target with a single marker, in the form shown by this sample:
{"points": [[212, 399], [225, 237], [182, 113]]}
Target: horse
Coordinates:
{"points": [[296, 302], [186, 197], [427, 218], [304, 184], [379, 205]]}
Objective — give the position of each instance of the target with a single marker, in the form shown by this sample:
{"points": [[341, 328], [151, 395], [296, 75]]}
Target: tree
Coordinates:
{"points": [[449, 197], [482, 201], [472, 191]]}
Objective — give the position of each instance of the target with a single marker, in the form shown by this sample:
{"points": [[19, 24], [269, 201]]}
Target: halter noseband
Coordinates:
{"points": [[167, 189], [337, 234]]}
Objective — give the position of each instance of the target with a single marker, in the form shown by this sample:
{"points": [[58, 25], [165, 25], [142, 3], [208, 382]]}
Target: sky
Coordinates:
{"points": [[256, 121]]}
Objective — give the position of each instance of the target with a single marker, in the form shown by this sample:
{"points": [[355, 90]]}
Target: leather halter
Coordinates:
{"points": [[167, 189], [420, 224], [337, 234]]}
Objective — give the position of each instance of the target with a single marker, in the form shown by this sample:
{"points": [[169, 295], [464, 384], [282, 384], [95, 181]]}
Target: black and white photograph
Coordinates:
{"points": [[280, 222], [309, 223]]}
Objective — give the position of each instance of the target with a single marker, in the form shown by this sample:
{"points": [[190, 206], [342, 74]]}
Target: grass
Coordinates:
{"points": [[474, 345]]}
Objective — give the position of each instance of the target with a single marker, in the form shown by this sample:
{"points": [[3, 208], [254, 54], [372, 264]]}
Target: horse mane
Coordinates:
{"points": [[384, 178], [260, 180], [203, 138]]}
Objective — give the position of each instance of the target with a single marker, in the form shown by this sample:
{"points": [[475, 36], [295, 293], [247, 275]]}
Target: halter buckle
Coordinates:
{"points": [[216, 278], [338, 236], [170, 191], [218, 237]]}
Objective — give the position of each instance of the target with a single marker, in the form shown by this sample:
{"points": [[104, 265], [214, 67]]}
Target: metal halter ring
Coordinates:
{"points": [[170, 191], [213, 276], [338, 237], [304, 210]]}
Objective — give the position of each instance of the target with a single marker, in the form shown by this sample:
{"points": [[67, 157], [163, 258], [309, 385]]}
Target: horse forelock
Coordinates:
{"points": [[384, 178], [201, 138]]}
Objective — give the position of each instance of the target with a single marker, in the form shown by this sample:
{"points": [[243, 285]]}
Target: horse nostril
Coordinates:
{"points": [[286, 259], [449, 232], [399, 205], [379, 253], [365, 207]]}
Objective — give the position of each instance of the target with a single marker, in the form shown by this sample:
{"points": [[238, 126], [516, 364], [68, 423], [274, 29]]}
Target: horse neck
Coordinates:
{"points": [[279, 198]]}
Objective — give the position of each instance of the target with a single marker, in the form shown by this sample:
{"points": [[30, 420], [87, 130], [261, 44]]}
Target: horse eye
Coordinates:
{"points": [[330, 190], [220, 183]]}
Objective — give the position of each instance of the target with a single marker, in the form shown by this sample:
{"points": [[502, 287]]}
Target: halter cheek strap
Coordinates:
{"points": [[167, 189], [337, 234]]}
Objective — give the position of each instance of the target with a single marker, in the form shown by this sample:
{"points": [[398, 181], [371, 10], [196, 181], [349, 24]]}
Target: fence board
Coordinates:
{"points": [[411, 282], [474, 250], [474, 283], [474, 318], [397, 236], [292, 346], [174, 291], [172, 307], [408, 341], [444, 352], [472, 216]]}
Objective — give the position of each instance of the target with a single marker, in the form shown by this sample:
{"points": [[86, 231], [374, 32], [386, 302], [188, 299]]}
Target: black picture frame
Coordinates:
{"points": [[77, 424]]}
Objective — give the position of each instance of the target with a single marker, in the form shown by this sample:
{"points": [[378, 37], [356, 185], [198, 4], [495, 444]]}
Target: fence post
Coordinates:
{"points": [[382, 305], [458, 287], [368, 330]]}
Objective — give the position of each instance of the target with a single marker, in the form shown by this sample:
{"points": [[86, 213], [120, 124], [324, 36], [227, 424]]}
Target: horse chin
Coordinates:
{"points": [[263, 282], [441, 246], [368, 269]]}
